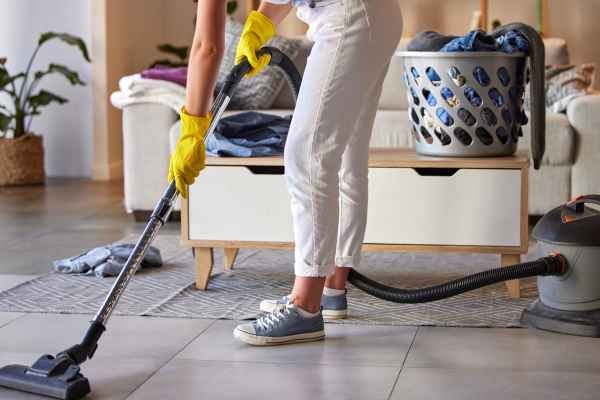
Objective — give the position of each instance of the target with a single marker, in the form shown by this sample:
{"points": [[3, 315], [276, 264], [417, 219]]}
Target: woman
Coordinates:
{"points": [[326, 154]]}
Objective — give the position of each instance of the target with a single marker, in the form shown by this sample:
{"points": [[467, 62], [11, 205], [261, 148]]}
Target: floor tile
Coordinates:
{"points": [[7, 317], [110, 378], [36, 256], [159, 338], [474, 384], [10, 281], [517, 349], [191, 379], [344, 344]]}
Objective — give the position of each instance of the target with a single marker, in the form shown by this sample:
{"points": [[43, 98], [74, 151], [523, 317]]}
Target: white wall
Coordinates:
{"points": [[67, 129]]}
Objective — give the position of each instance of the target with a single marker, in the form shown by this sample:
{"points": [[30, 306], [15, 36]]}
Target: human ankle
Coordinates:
{"points": [[308, 306], [338, 279]]}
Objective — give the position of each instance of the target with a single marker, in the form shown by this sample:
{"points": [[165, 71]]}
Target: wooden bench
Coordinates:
{"points": [[416, 204]]}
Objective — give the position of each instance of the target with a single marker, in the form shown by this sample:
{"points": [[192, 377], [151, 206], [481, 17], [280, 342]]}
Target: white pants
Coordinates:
{"points": [[326, 155]]}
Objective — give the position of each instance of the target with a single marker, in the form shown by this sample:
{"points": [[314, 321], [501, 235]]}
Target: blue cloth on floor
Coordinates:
{"points": [[106, 261], [249, 134]]}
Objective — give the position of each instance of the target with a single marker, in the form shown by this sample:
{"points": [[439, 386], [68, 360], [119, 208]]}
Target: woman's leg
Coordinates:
{"points": [[354, 41], [344, 73], [354, 192]]}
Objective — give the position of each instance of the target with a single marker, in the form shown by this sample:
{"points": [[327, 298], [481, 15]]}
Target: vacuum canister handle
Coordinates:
{"points": [[578, 203]]}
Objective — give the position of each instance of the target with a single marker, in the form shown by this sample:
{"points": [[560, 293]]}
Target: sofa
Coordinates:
{"points": [[569, 167]]}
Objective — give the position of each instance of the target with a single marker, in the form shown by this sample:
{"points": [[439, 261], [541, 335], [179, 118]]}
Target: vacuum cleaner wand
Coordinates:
{"points": [[60, 376]]}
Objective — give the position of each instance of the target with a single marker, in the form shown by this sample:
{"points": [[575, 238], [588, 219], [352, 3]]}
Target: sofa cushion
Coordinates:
{"points": [[392, 129], [557, 52], [560, 140], [257, 92]]}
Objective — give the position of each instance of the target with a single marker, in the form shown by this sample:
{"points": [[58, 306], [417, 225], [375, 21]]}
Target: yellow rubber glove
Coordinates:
{"points": [[257, 31], [190, 155]]}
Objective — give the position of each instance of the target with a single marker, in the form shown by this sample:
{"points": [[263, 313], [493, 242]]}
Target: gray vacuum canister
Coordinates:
{"points": [[572, 230], [569, 303]]}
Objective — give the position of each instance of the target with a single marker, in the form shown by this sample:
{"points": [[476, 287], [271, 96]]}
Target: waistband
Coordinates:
{"points": [[313, 3]]}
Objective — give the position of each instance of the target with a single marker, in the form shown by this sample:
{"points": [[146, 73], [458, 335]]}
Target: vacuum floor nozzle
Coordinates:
{"points": [[62, 381]]}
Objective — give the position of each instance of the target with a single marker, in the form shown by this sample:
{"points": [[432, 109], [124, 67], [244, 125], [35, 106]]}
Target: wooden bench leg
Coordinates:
{"points": [[229, 259], [514, 286], [204, 266]]}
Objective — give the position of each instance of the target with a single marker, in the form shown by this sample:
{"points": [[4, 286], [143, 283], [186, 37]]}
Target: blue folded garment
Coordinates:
{"points": [[249, 134]]}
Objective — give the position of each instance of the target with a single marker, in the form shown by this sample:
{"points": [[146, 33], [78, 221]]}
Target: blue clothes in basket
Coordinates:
{"points": [[510, 42], [249, 134], [507, 41]]}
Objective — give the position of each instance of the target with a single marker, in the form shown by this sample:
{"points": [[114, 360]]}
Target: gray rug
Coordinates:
{"points": [[259, 274]]}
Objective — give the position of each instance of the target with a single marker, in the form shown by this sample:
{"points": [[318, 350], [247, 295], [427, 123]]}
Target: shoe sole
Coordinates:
{"points": [[334, 314], [277, 341], [327, 314]]}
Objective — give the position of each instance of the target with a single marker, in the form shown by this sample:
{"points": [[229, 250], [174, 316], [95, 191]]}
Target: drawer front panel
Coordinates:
{"points": [[465, 207], [477, 207], [235, 203]]}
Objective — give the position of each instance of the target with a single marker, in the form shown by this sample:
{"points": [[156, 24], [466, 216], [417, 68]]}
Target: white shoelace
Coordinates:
{"points": [[272, 319]]}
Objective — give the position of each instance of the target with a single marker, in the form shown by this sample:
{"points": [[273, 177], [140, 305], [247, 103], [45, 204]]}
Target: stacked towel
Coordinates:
{"points": [[134, 89]]}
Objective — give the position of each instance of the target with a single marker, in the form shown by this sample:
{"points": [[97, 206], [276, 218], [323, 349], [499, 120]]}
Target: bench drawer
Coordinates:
{"points": [[240, 203], [463, 207], [476, 207]]}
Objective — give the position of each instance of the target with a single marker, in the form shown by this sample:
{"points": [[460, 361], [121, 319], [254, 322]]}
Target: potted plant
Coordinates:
{"points": [[21, 151]]}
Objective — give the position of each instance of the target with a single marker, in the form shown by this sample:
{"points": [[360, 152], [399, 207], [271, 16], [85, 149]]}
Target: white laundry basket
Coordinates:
{"points": [[465, 104]]}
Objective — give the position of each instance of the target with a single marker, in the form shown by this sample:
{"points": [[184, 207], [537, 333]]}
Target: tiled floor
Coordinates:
{"points": [[158, 358]]}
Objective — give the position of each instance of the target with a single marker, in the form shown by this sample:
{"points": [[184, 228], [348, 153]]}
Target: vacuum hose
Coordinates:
{"points": [[551, 265]]}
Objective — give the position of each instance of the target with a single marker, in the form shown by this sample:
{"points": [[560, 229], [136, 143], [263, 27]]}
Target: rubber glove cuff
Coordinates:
{"points": [[192, 125]]}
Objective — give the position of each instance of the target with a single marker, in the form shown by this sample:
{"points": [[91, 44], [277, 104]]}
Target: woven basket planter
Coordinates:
{"points": [[22, 161]]}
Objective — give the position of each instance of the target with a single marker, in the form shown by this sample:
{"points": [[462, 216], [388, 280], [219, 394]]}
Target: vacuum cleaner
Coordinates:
{"points": [[60, 376], [568, 272], [569, 252]]}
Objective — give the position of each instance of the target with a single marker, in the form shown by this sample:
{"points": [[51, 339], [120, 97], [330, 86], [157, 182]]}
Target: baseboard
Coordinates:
{"points": [[108, 172], [144, 216]]}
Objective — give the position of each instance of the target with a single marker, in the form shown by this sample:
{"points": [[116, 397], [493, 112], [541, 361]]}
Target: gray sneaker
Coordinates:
{"points": [[283, 326], [332, 307]]}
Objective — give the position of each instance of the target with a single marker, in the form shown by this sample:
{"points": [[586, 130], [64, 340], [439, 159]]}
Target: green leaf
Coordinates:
{"points": [[6, 79], [4, 122], [66, 38], [72, 76], [180, 52], [231, 7], [168, 63], [43, 98]]}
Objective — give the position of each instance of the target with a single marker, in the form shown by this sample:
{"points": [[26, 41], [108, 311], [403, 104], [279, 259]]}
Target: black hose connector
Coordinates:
{"points": [[555, 264], [79, 353]]}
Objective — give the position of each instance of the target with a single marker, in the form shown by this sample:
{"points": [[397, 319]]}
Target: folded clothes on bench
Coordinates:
{"points": [[249, 134]]}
